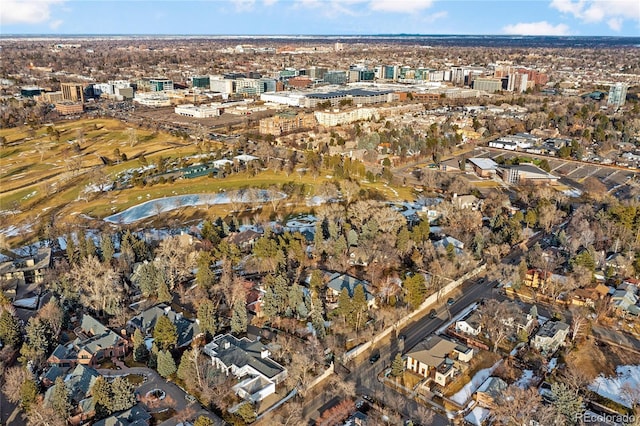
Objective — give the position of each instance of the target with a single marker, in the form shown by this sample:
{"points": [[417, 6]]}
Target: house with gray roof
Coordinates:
{"points": [[134, 416], [438, 358], [337, 282], [248, 360], [470, 324], [187, 329], [625, 298], [490, 390], [94, 342], [79, 383], [550, 336]]}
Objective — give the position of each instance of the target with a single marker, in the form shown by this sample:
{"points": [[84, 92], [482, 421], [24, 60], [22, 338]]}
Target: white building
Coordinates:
{"points": [[284, 98], [337, 117], [152, 99], [202, 111]]}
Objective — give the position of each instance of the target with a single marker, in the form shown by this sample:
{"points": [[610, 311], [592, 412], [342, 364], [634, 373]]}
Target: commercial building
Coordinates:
{"points": [[50, 97], [489, 85], [335, 77], [69, 108], [160, 84], [526, 172], [222, 85], [337, 117], [317, 73], [201, 81], [30, 91], [72, 92], [361, 75], [286, 123], [300, 82], [284, 98], [518, 82], [357, 97], [617, 95], [153, 99], [201, 111], [484, 167]]}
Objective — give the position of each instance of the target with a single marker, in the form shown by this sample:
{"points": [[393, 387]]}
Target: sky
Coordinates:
{"points": [[322, 17]]}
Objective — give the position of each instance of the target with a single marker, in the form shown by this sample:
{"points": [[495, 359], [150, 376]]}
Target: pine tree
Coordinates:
{"points": [[60, 400], [28, 394], [295, 298], [203, 421], [140, 350], [239, 319], [101, 393], [164, 295], [107, 248], [397, 366], [415, 289], [566, 403], [123, 396], [39, 340], [207, 317], [10, 334], [344, 308], [205, 276], [166, 364], [247, 413], [165, 333], [186, 369]]}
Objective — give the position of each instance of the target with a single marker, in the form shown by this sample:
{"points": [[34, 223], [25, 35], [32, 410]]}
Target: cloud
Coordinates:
{"points": [[269, 2], [615, 12], [54, 25], [536, 28], [400, 6], [26, 11], [243, 5]]}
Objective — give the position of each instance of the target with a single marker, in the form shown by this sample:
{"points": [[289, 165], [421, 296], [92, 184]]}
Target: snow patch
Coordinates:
{"points": [[477, 415], [469, 389], [613, 387]]}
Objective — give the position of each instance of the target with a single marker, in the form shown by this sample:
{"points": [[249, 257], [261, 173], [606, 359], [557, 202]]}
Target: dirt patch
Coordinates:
{"points": [[595, 359]]}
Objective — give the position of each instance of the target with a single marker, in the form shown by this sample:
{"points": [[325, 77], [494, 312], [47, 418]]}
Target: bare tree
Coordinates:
{"points": [[99, 284], [177, 258], [496, 319]]}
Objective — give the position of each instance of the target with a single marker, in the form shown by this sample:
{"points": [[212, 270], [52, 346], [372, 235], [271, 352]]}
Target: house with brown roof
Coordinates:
{"points": [[94, 343], [438, 358]]}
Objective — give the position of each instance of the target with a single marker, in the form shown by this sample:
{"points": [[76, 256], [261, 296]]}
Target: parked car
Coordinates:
{"points": [[433, 313], [450, 301], [374, 357]]}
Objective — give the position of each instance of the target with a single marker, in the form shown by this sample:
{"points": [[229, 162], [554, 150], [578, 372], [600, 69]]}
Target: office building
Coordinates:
{"points": [[518, 82], [72, 92], [335, 77], [489, 85], [160, 84], [317, 73], [30, 91], [617, 94], [200, 81]]}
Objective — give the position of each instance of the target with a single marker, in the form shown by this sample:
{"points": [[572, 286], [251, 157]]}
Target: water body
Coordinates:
{"points": [[161, 205]]}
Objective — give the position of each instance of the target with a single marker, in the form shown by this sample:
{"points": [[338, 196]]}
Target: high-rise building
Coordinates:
{"points": [[72, 91], [518, 82], [317, 73], [335, 77], [201, 81], [487, 84], [617, 94]]}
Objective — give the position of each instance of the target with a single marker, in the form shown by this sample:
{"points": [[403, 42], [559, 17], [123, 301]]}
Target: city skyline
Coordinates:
{"points": [[322, 17]]}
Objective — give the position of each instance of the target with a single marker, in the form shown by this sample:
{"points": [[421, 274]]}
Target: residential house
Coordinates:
{"points": [[24, 271], [248, 360], [589, 295], [470, 324], [49, 377], [187, 329], [458, 245], [550, 336], [255, 299], [134, 416], [438, 358], [489, 391], [245, 239], [94, 342], [337, 282], [625, 299], [79, 383], [466, 202]]}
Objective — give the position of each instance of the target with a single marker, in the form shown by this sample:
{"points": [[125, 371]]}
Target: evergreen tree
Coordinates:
{"points": [[39, 340], [317, 321], [203, 421], [140, 350], [566, 403], [344, 308], [123, 395], [239, 319], [207, 317], [60, 400], [71, 250], [397, 366], [101, 393], [166, 364], [28, 394], [415, 289], [296, 299], [247, 413], [107, 248], [205, 276], [359, 307], [164, 295], [187, 369], [315, 281], [164, 333], [148, 277], [10, 334]]}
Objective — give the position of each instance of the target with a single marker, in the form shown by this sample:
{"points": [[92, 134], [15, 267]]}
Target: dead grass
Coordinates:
{"points": [[593, 360], [480, 361]]}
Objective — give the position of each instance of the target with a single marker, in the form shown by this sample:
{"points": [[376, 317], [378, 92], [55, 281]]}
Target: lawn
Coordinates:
{"points": [[135, 379]]}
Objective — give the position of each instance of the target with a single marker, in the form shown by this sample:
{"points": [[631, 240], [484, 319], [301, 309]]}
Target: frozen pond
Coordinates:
{"points": [[161, 205]]}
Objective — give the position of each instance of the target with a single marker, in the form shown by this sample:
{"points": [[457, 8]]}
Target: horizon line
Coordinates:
{"points": [[306, 35]]}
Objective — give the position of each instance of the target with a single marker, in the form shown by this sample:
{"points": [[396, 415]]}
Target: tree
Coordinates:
{"points": [[14, 377], [397, 366], [39, 341], [358, 307], [516, 406], [122, 395], [28, 393], [203, 421], [247, 413], [100, 286], [566, 403], [415, 289], [140, 351], [60, 400], [148, 278], [204, 276], [165, 334], [207, 317], [166, 364], [10, 334], [496, 320], [239, 319], [101, 393], [53, 313]]}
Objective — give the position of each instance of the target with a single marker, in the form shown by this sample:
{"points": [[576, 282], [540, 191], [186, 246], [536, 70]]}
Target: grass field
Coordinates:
{"points": [[43, 173]]}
